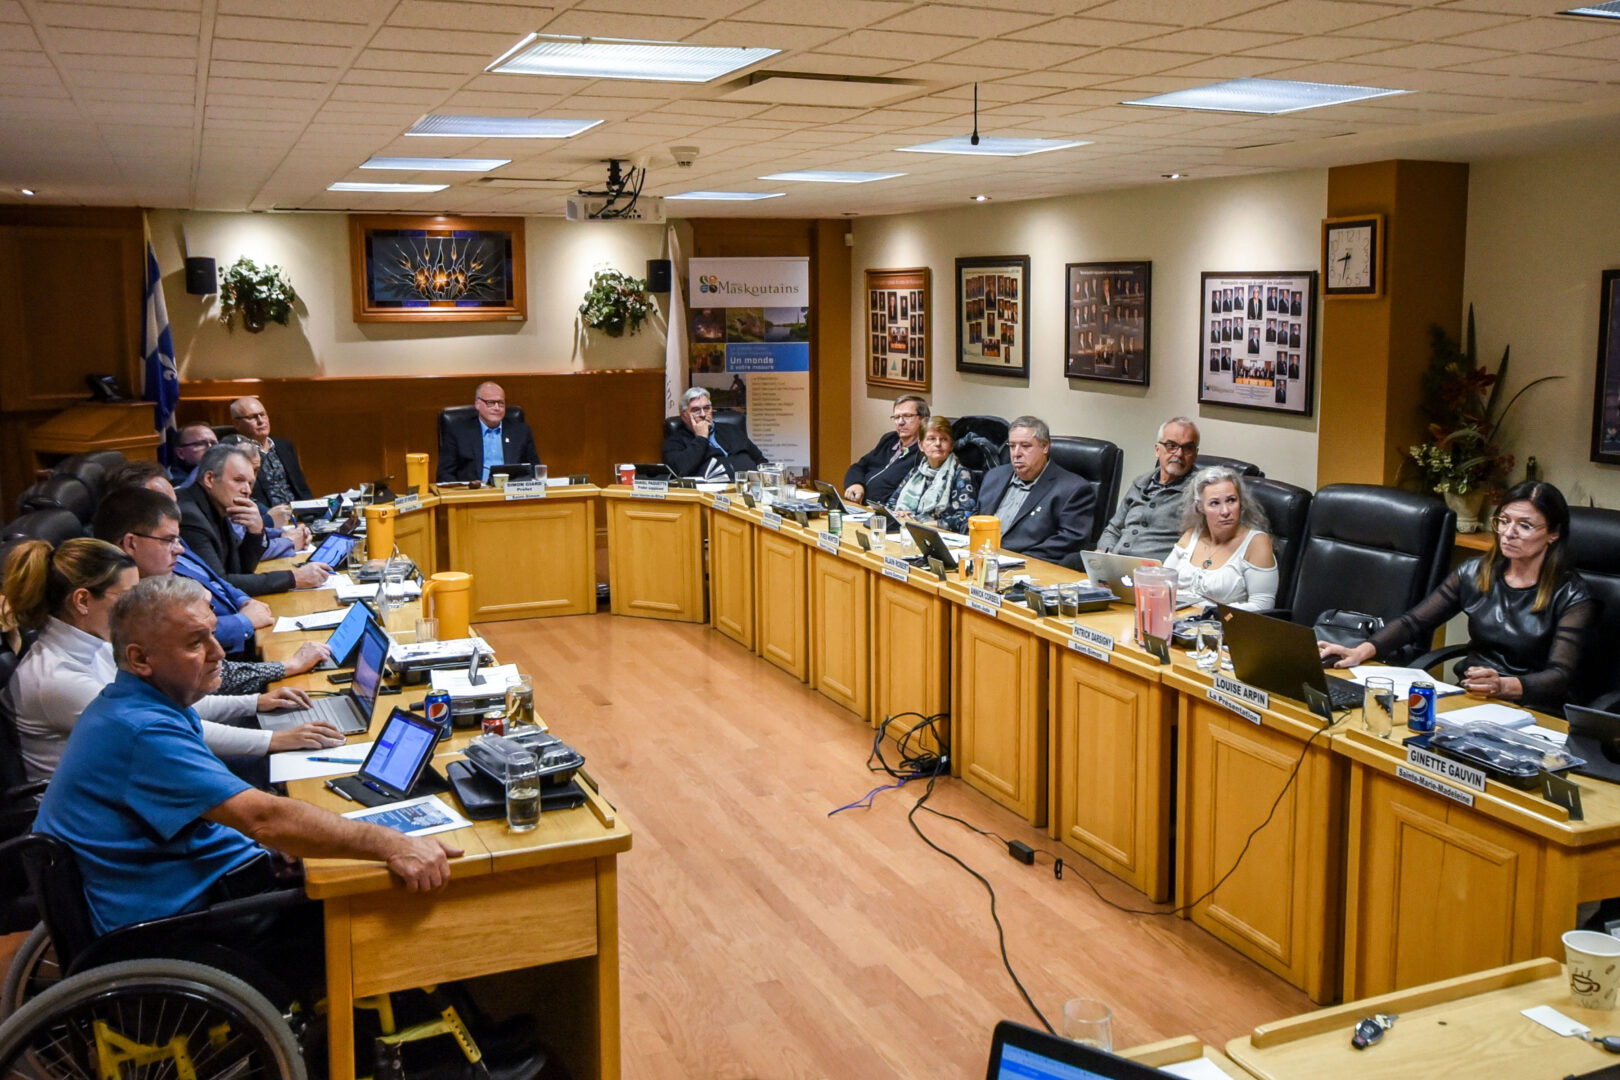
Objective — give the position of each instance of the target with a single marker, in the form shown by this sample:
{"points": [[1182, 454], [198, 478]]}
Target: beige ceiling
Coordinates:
{"points": [[233, 104]]}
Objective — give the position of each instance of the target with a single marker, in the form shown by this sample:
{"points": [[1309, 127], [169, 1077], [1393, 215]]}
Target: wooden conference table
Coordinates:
{"points": [[544, 900]]}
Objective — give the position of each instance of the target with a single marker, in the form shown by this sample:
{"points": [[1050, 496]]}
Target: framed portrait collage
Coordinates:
{"points": [[1106, 321], [992, 315], [1257, 340], [898, 303]]}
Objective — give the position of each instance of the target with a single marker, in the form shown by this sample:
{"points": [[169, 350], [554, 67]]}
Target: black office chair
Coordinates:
{"points": [[90, 468], [1099, 461], [977, 455], [1370, 549], [722, 417], [993, 429], [1287, 509], [54, 526], [1242, 468], [66, 493]]}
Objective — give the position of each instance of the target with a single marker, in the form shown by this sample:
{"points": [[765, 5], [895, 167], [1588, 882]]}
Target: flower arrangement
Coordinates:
{"points": [[615, 302], [260, 294]]}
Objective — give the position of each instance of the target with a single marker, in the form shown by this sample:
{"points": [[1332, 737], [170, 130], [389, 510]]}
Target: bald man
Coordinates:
{"points": [[280, 478], [468, 447]]}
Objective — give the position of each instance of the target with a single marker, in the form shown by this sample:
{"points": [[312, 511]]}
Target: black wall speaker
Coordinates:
{"points": [[658, 271], [201, 278]]}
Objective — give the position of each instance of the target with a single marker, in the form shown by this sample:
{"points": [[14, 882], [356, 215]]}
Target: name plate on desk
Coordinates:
{"points": [[404, 504], [524, 489], [1243, 692], [722, 502], [1466, 775], [983, 608], [985, 596], [828, 542], [1092, 637], [649, 489], [771, 520], [1086, 650], [1424, 780], [896, 568], [1231, 706]]}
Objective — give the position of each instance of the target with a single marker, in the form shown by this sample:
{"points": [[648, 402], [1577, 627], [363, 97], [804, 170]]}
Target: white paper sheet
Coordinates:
{"points": [[1489, 713], [453, 649], [454, 680], [405, 590], [336, 581], [315, 620], [1200, 1068], [1403, 677], [296, 764], [421, 816]]}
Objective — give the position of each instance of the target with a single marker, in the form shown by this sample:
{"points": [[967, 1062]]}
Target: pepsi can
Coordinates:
{"points": [[437, 706], [1420, 707]]}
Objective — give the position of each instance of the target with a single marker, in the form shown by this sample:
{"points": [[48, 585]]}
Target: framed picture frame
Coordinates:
{"points": [[1257, 340], [1106, 316], [428, 268], [992, 315], [1606, 394], [1353, 257], [899, 346]]}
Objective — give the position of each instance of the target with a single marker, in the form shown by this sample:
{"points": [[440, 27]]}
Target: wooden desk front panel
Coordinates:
{"points": [[655, 558], [1281, 907], [731, 577], [1436, 890], [1112, 785], [840, 613], [781, 615], [999, 730], [415, 536], [527, 558], [910, 654]]}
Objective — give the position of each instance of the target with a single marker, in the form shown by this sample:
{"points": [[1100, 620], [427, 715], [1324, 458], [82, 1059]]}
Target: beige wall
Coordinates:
{"points": [[1541, 230], [324, 340], [1185, 227]]}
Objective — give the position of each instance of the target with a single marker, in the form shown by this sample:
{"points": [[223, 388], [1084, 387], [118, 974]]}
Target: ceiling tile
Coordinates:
{"points": [[1427, 55], [752, 35], [1126, 61], [511, 19], [1085, 31], [890, 45], [443, 63], [1306, 16], [1173, 12], [1336, 47], [978, 21], [1538, 35], [660, 27], [845, 14], [70, 40], [99, 17], [318, 11], [279, 52], [426, 39], [255, 29], [1207, 39], [242, 69]]}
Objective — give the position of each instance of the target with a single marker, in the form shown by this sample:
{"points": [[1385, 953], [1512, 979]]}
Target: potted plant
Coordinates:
{"points": [[615, 302], [1462, 461], [260, 294]]}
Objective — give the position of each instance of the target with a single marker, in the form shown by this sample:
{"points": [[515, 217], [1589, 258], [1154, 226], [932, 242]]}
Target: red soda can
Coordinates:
{"points": [[437, 707], [495, 722]]}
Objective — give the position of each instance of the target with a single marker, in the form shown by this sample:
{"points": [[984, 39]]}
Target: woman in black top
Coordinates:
{"points": [[1528, 613]]}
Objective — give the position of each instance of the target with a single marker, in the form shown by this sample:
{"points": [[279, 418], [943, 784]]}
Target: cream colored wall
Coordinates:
{"points": [[1185, 227], [324, 340], [1541, 231]]}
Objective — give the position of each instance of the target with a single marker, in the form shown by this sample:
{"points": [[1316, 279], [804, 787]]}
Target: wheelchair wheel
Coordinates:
{"points": [[33, 971], [149, 1020]]}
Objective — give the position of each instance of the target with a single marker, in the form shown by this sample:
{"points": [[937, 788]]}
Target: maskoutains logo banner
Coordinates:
{"points": [[750, 282]]}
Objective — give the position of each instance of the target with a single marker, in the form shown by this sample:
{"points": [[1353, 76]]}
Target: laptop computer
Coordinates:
{"points": [[395, 763], [1022, 1053], [1281, 657], [345, 638], [1595, 736], [517, 470], [1116, 573], [350, 711]]}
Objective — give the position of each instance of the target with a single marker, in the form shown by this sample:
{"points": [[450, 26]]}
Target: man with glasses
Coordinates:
{"points": [[468, 447], [881, 472], [193, 441], [1148, 521], [700, 447], [222, 495], [281, 479]]}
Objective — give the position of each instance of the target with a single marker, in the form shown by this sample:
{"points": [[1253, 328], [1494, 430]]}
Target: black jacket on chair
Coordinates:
{"points": [[689, 455], [1055, 519], [207, 532], [880, 476], [461, 447], [287, 454]]}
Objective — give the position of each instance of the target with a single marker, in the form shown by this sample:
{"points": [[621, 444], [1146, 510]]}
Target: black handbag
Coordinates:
{"points": [[1346, 628]]}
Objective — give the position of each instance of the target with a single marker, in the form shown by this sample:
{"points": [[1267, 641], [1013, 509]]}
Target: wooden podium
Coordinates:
{"points": [[125, 426]]}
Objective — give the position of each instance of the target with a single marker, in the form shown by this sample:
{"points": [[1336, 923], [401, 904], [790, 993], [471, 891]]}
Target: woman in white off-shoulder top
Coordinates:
{"points": [[1225, 554]]}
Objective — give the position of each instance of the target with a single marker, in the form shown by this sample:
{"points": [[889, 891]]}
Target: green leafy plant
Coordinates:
{"points": [[1463, 405], [615, 302], [260, 294]]}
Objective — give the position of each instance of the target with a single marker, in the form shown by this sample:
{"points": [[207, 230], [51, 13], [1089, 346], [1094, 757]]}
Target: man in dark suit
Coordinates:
{"points": [[190, 444], [469, 447], [1045, 510], [281, 478], [700, 447], [885, 467], [222, 495]]}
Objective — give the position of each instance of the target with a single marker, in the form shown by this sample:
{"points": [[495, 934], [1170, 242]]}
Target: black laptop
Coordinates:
{"points": [[1281, 658], [1595, 736], [350, 711], [1022, 1053]]}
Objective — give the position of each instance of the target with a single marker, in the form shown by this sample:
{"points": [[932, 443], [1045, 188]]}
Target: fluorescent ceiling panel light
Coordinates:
{"points": [[611, 58], [990, 146], [1598, 11], [832, 176], [727, 196], [347, 185], [1268, 96], [436, 164], [499, 127]]}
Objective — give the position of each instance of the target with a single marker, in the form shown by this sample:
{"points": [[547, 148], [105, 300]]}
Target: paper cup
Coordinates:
{"points": [[1594, 968]]}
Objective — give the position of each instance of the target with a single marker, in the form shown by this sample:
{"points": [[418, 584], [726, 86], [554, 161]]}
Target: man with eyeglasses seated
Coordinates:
{"points": [[701, 447], [280, 479], [469, 447], [880, 473], [193, 441], [221, 495], [1045, 510], [1148, 521]]}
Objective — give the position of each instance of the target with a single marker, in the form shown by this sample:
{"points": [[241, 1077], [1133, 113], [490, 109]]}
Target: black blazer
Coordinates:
{"points": [[1056, 516], [690, 455], [880, 476], [461, 448], [207, 532], [288, 456]]}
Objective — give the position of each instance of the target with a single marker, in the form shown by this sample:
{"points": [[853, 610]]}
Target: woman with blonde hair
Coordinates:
{"points": [[939, 490], [1225, 554]]}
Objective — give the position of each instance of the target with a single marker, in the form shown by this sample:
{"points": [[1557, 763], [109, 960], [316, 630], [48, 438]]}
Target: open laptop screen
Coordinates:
{"points": [[368, 666], [347, 634], [1022, 1053]]}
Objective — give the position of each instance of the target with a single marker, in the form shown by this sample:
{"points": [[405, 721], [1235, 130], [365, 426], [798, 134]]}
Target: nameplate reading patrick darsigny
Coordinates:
{"points": [[1466, 775], [1243, 692], [1086, 650], [722, 502], [828, 542], [406, 503], [1094, 637], [771, 520], [1424, 780], [1231, 706], [525, 489]]}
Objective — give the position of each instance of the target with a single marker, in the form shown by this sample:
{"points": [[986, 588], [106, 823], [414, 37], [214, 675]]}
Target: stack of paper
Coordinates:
{"points": [[315, 620], [404, 590], [496, 680], [335, 581], [313, 764], [429, 651], [1403, 677], [1489, 713]]}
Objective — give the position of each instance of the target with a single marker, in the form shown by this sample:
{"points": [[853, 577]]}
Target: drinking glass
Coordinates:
{"points": [[1378, 706], [522, 792], [365, 492], [1207, 641], [1068, 601], [520, 703], [1089, 1022], [427, 630], [394, 573]]}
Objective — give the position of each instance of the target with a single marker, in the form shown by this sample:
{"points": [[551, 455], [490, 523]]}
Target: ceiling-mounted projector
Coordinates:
{"points": [[620, 200]]}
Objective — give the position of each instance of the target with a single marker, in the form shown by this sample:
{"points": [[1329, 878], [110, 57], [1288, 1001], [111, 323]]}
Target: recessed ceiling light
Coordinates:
{"points": [[991, 146], [1269, 96], [436, 164], [1597, 11], [980, 198], [832, 176], [26, 192], [499, 127], [1171, 176], [727, 196], [613, 58], [398, 189]]}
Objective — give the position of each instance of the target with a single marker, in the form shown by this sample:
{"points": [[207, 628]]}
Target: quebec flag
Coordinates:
{"points": [[157, 347]]}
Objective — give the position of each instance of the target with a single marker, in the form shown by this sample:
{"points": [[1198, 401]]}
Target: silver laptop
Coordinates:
{"points": [[1116, 573], [350, 711]]}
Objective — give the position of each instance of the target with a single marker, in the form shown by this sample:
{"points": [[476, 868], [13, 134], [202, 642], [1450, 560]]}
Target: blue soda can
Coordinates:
{"points": [[1420, 707], [437, 707]]}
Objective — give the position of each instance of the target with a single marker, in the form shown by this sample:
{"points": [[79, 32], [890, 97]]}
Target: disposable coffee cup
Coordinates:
{"points": [[1594, 968]]}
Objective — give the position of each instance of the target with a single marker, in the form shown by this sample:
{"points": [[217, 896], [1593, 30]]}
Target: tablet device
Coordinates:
{"points": [[519, 470], [334, 550], [397, 759], [345, 638]]}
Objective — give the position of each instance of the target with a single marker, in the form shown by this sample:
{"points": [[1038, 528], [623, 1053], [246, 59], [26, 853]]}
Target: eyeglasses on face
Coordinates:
{"points": [[700, 410], [252, 417], [1515, 526], [172, 541], [494, 403], [200, 442], [1172, 447], [899, 416]]}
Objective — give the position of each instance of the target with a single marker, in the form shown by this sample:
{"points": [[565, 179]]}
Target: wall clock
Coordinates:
{"points": [[1353, 256]]}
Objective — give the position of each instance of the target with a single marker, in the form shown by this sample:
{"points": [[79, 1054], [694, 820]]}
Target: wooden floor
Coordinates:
{"points": [[763, 938]]}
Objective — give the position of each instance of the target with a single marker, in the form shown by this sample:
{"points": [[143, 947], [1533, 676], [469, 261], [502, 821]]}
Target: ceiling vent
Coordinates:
{"points": [[827, 91]]}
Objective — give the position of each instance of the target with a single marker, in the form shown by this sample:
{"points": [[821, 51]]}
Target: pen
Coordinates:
{"points": [[337, 760]]}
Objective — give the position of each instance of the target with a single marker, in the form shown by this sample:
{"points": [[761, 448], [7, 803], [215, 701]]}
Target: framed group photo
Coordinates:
{"points": [[992, 315], [1105, 321], [1606, 395], [897, 354], [1257, 340]]}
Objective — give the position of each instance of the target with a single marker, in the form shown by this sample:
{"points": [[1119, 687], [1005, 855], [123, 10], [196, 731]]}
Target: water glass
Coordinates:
{"points": [[1068, 601], [520, 703], [394, 573], [1208, 639], [1378, 706], [880, 534], [1089, 1022], [427, 630], [522, 792]]}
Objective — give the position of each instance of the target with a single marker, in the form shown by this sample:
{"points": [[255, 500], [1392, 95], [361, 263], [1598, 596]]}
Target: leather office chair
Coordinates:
{"points": [[730, 417], [993, 429], [1375, 550], [1099, 461], [90, 468], [52, 526], [1242, 468], [1594, 550], [66, 493], [977, 455], [1287, 509]]}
